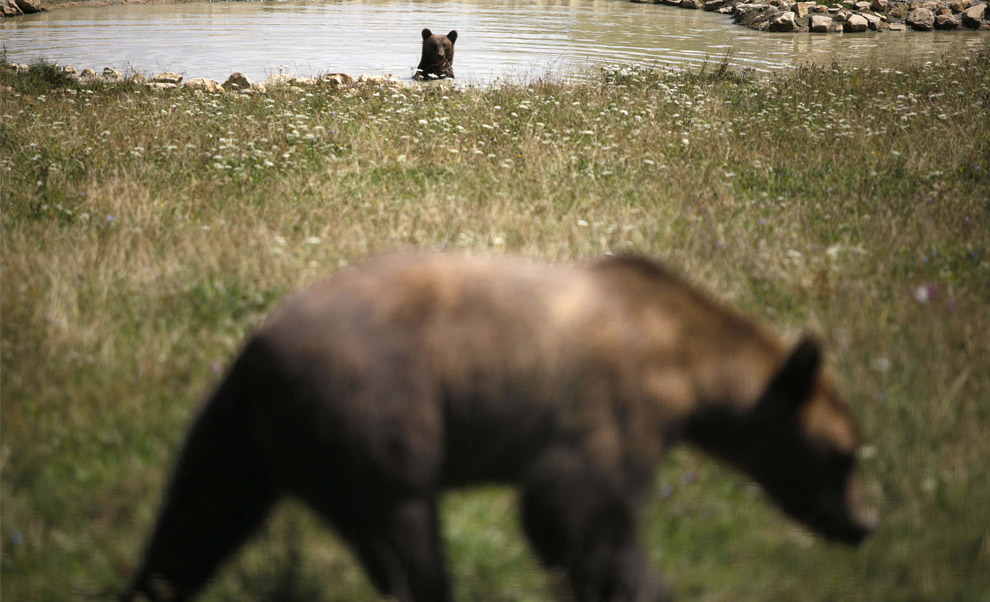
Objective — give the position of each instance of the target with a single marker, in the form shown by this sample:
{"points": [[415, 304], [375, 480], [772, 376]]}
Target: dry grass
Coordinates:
{"points": [[143, 234]]}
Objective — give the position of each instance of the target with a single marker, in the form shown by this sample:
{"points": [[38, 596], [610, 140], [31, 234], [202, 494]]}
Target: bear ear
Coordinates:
{"points": [[793, 383], [453, 36], [426, 33]]}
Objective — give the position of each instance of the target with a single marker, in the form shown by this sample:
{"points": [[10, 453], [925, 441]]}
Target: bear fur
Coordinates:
{"points": [[372, 392], [437, 61]]}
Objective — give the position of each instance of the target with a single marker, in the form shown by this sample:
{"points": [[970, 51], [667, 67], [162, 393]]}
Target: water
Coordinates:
{"points": [[499, 39]]}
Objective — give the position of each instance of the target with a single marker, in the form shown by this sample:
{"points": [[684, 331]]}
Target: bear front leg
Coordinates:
{"points": [[584, 521], [397, 540]]}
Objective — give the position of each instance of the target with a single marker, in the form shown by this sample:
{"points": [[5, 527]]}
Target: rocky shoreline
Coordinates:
{"points": [[845, 16], [236, 83], [13, 8], [848, 16]]}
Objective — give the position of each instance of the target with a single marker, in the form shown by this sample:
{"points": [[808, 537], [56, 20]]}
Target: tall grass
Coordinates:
{"points": [[143, 234]]}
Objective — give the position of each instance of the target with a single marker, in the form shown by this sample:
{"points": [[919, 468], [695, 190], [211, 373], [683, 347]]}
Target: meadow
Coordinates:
{"points": [[143, 234]]}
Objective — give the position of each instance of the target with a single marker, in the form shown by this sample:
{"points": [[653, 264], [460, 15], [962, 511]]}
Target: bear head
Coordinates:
{"points": [[438, 56]]}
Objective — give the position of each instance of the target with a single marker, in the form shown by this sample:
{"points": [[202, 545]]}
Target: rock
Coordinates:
{"points": [[69, 70], [337, 80], [802, 9], [238, 81], [855, 24], [820, 23], [695, 4], [872, 20], [29, 7], [921, 19], [372, 80], [898, 10], [958, 6], [87, 73], [112, 75], [897, 27], [946, 22], [879, 6], [862, 5], [305, 81], [741, 9], [279, 79], [972, 16], [784, 22], [211, 86], [711, 5], [139, 78], [153, 85], [167, 77], [9, 8], [748, 14]]}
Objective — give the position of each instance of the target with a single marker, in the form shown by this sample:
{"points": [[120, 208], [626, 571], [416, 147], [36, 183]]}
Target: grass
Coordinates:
{"points": [[143, 234]]}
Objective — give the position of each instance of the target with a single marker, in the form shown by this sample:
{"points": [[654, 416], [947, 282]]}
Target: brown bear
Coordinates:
{"points": [[372, 392], [437, 61]]}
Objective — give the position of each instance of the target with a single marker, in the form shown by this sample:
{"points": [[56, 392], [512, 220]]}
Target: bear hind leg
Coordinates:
{"points": [[218, 495]]}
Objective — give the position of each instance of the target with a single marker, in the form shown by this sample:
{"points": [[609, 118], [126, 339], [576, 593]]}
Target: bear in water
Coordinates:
{"points": [[374, 391], [437, 61]]}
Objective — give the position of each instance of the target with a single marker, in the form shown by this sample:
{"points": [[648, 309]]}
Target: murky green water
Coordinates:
{"points": [[498, 38]]}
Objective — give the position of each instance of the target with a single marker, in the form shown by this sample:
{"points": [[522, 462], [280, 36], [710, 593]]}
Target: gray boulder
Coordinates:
{"points": [[855, 24], [801, 9], [238, 81], [13, 8], [972, 16], [820, 23], [784, 22], [875, 22], [167, 77], [898, 10], [210, 86], [921, 19], [9, 8], [946, 22]]}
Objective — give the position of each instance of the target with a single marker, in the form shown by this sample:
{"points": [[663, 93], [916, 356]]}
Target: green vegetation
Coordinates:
{"points": [[144, 233]]}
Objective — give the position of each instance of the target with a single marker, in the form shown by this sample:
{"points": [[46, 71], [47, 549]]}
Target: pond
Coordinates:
{"points": [[499, 39]]}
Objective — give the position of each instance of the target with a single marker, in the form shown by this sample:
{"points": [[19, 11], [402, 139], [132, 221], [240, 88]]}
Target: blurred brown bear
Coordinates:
{"points": [[372, 392]]}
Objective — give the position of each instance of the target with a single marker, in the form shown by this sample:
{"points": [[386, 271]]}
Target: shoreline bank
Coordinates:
{"points": [[778, 16]]}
